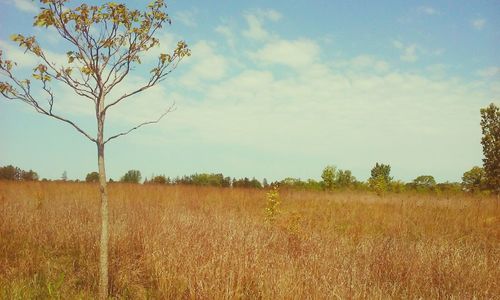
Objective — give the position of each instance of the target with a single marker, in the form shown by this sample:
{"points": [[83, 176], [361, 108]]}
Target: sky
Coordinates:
{"points": [[278, 89]]}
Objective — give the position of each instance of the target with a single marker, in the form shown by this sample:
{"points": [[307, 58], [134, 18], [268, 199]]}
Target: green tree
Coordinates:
{"points": [[132, 176], [490, 125], [383, 171], [424, 182], [449, 187], [397, 186], [226, 182], [329, 177], [345, 179], [92, 177], [474, 180], [380, 178], [265, 184], [104, 43], [14, 173], [29, 175], [159, 179], [379, 185], [254, 183], [10, 173]]}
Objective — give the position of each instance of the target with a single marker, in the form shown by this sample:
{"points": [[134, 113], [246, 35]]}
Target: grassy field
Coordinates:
{"points": [[209, 243]]}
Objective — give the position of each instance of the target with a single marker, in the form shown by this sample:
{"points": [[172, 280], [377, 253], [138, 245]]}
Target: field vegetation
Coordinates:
{"points": [[176, 241]]}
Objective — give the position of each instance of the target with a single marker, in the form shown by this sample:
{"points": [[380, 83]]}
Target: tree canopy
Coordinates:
{"points": [[132, 176], [490, 125]]}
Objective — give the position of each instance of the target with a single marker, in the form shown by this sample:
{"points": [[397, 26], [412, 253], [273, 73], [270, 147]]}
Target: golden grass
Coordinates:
{"points": [[209, 243]]}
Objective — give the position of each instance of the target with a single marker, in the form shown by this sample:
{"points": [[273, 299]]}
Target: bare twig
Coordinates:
{"points": [[170, 109]]}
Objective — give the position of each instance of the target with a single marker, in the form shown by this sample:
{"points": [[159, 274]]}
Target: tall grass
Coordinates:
{"points": [[209, 243]]}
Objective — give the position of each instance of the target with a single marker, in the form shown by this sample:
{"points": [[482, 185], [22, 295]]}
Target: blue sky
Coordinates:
{"points": [[278, 89]]}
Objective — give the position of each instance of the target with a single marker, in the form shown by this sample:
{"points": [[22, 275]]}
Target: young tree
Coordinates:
{"points": [[329, 177], [383, 171], [490, 125], [380, 178], [105, 42]]}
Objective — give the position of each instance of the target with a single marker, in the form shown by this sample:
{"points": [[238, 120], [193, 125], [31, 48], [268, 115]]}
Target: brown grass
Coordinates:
{"points": [[208, 243]]}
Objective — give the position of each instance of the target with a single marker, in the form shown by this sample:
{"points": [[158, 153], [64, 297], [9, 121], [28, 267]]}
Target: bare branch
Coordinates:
{"points": [[170, 109], [24, 94], [159, 76]]}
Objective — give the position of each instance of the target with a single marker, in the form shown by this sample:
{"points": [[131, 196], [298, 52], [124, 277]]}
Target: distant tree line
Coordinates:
{"points": [[332, 179], [477, 179], [206, 179], [14, 173]]}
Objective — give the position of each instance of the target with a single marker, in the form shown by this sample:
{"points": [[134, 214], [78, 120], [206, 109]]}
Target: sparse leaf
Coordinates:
{"points": [[86, 70]]}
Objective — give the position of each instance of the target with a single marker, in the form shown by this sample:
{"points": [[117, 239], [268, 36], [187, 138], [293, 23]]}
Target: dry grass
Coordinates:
{"points": [[207, 243]]}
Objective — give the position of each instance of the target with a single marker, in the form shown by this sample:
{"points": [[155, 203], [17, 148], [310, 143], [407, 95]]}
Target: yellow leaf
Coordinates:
{"points": [[86, 70], [16, 37]]}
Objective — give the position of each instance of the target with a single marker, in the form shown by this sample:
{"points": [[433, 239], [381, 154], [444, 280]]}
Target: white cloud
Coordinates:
{"points": [[369, 62], [489, 72], [255, 22], [204, 65], [168, 43], [292, 53], [187, 18], [227, 33], [25, 5], [326, 111], [437, 70], [335, 115], [50, 35], [428, 10], [14, 53], [478, 23], [409, 52], [255, 29], [28, 60]]}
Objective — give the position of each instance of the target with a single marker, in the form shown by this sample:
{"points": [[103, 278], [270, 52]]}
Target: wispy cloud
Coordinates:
{"points": [[255, 29], [364, 63], [227, 33], [205, 67], [427, 10], [408, 52], [188, 18], [478, 23], [269, 14], [489, 72], [255, 22], [292, 53]]}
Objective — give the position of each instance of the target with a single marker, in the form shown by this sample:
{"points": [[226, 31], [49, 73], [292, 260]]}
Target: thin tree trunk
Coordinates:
{"points": [[103, 256]]}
